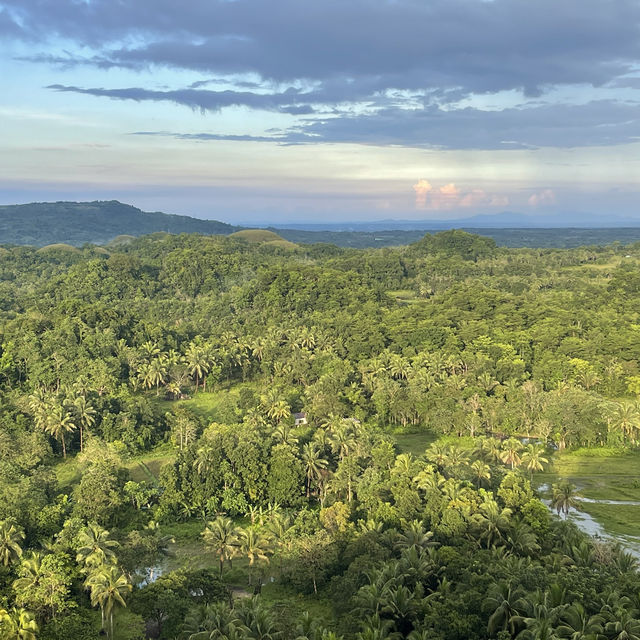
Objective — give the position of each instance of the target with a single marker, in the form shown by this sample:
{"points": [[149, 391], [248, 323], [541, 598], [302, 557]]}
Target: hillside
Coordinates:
{"points": [[99, 222]]}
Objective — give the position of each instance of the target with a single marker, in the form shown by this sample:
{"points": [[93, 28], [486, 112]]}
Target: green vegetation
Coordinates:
{"points": [[205, 437]]}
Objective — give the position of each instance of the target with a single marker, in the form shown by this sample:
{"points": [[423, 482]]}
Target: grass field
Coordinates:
{"points": [[417, 443], [601, 474]]}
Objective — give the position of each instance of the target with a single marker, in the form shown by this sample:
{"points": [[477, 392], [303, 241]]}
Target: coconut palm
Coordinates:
{"points": [[222, 536], [198, 363], [31, 572], [85, 414], [506, 605], [108, 586], [11, 537], [532, 458], [564, 497], [577, 624], [279, 410], [510, 454], [258, 622], [284, 434], [342, 439], [17, 624], [622, 626], [540, 624], [481, 472], [96, 548], [492, 521], [313, 462], [414, 536], [626, 419], [157, 372], [255, 545], [57, 423]]}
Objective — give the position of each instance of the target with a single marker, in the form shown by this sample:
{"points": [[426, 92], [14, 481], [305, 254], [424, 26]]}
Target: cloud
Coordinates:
{"points": [[203, 100], [469, 44], [449, 196], [206, 137], [593, 124], [422, 189], [545, 198], [394, 72], [596, 123]]}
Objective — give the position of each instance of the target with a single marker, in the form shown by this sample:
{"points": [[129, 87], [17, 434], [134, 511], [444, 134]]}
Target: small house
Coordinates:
{"points": [[300, 418]]}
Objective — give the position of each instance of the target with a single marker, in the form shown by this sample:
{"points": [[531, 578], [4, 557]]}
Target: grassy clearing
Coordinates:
{"points": [[291, 603], [214, 406], [67, 473], [417, 443], [602, 474], [617, 519], [146, 467]]}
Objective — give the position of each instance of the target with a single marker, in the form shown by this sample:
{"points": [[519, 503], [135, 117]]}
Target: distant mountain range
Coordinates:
{"points": [[504, 220], [77, 223]]}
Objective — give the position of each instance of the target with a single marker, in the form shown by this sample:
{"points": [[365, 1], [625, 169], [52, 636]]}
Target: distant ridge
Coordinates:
{"points": [[99, 222], [113, 223]]}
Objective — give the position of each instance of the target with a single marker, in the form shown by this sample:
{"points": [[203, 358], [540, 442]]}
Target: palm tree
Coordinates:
{"points": [[279, 411], [96, 548], [414, 536], [198, 362], [492, 521], [108, 585], [255, 546], [11, 537], [85, 414], [533, 459], [481, 472], [564, 497], [17, 624], [540, 625], [222, 536], [157, 372], [577, 624], [31, 570], [623, 627], [58, 422], [376, 628], [314, 463], [342, 439], [257, 621], [283, 433], [511, 452], [626, 418], [505, 604]]}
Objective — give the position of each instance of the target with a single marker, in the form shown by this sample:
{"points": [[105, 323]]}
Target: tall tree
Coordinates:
{"points": [[108, 586], [222, 536]]}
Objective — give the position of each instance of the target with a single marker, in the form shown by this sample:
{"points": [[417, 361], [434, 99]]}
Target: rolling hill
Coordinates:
{"points": [[45, 223]]}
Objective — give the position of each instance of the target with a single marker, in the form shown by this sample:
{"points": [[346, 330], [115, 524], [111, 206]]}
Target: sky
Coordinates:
{"points": [[295, 111]]}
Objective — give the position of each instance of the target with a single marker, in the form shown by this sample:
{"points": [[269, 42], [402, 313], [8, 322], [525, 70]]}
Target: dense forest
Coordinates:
{"points": [[199, 439]]}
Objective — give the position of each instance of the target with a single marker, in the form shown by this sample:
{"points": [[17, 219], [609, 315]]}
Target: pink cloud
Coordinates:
{"points": [[449, 196], [544, 198], [422, 188]]}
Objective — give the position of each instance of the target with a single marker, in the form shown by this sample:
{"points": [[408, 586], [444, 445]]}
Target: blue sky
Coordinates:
{"points": [[252, 112]]}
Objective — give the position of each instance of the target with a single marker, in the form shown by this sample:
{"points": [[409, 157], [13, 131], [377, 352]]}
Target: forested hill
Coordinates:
{"points": [[43, 223]]}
